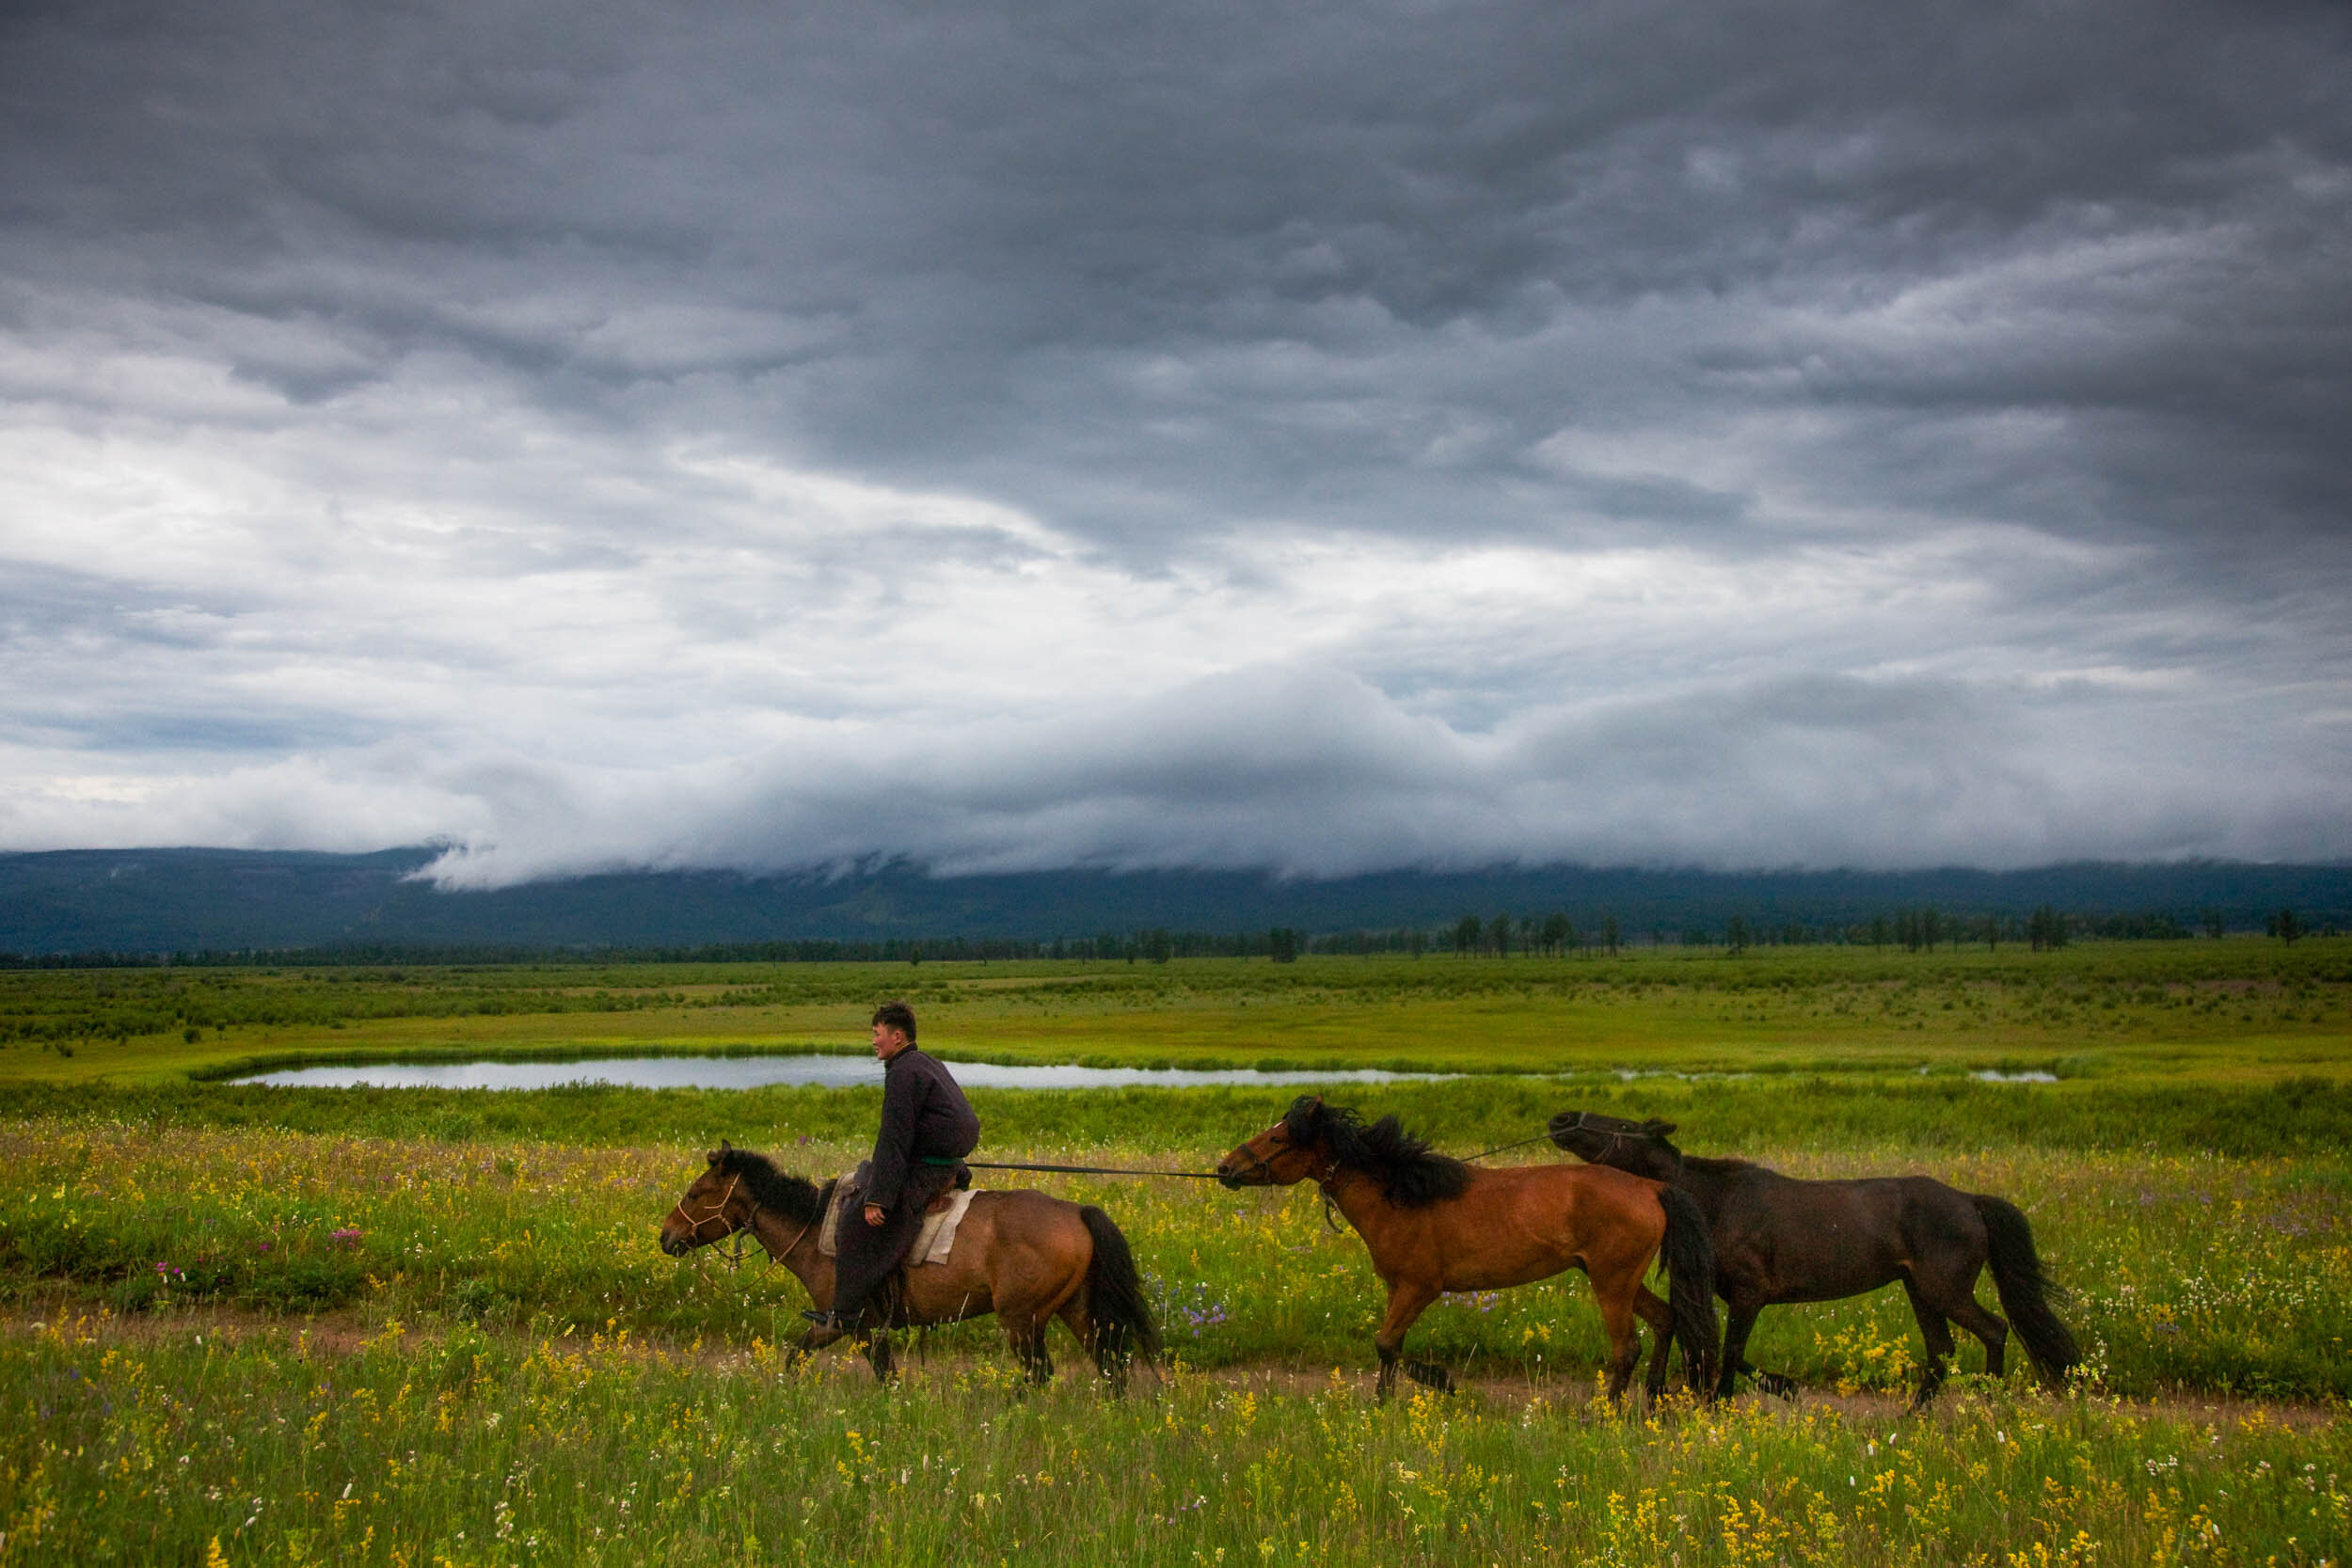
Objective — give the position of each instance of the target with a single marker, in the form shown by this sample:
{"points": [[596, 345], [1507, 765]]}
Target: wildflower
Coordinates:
{"points": [[345, 1236]]}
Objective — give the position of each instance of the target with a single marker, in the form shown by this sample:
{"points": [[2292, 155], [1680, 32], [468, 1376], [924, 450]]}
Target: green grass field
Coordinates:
{"points": [[409, 1326], [2234, 1009]]}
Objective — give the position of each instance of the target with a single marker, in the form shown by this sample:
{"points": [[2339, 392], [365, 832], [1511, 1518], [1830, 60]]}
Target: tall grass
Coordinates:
{"points": [[2191, 1270], [462, 1447]]}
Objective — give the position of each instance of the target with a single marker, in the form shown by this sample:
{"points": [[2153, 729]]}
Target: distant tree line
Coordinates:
{"points": [[1921, 928]]}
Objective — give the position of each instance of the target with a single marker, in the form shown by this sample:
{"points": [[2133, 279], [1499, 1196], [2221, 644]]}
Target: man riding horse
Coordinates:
{"points": [[927, 1127]]}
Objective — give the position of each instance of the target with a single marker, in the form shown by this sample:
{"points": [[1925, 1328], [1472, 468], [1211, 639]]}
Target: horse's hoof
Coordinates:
{"points": [[1430, 1375]]}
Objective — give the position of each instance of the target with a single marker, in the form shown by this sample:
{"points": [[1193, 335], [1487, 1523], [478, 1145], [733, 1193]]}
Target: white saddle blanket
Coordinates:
{"points": [[932, 1243]]}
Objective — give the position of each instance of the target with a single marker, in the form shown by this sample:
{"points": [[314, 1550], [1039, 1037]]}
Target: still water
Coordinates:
{"points": [[747, 1072]]}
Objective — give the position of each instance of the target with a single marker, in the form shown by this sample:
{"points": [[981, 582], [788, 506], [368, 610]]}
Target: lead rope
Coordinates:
{"points": [[1096, 1170], [1499, 1148]]}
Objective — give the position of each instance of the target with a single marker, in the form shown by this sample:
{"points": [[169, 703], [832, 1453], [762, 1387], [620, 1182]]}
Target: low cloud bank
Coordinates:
{"points": [[1314, 773], [1318, 774]]}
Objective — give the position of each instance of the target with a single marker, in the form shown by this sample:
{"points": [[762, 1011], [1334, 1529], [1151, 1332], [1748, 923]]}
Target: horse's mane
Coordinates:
{"points": [[796, 1197], [1704, 1164], [1410, 1173]]}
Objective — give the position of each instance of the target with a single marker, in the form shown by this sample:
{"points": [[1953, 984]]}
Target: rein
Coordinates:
{"points": [[1097, 1170], [787, 1251], [1322, 1180]]}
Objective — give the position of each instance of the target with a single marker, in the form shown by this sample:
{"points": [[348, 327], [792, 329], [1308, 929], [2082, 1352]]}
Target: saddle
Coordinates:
{"points": [[932, 1243]]}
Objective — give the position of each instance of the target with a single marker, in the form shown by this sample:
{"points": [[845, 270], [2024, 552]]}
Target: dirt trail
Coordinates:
{"points": [[340, 1334]]}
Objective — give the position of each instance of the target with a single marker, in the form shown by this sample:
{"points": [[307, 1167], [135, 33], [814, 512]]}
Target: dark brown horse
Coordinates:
{"points": [[1025, 1257], [1434, 1225], [1778, 1239]]}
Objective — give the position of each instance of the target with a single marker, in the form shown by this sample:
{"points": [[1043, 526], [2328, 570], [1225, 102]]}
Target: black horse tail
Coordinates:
{"points": [[1115, 1304], [1690, 1255], [2025, 1290]]}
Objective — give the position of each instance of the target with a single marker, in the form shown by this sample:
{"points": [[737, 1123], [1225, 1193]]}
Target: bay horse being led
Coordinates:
{"points": [[1024, 1256], [1433, 1224], [1779, 1239]]}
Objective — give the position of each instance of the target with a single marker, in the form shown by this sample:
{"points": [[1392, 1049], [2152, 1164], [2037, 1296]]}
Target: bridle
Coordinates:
{"points": [[1616, 1135], [734, 1260], [717, 1212], [1260, 1162], [1322, 1178]]}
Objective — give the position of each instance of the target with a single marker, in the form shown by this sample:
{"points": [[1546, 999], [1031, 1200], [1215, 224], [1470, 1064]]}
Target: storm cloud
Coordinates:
{"points": [[1321, 438]]}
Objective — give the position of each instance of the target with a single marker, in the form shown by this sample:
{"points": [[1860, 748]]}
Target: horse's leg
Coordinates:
{"points": [[1661, 1318], [1937, 1333], [1965, 1310], [1025, 1334], [1739, 1322], [878, 1357], [1027, 1307], [1615, 1300], [1025, 1318], [1081, 1326], [1407, 1300], [1778, 1385]]}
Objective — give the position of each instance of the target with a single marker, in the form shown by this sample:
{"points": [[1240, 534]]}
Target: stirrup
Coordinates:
{"points": [[825, 1320]]}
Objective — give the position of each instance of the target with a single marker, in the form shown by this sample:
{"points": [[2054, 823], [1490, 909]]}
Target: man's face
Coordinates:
{"points": [[888, 1042]]}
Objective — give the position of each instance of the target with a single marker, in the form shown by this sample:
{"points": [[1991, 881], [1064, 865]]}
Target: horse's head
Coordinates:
{"points": [[717, 1205], [1289, 1151], [1638, 1146]]}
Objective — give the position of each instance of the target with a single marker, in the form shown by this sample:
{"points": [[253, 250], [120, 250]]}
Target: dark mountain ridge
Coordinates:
{"points": [[147, 901]]}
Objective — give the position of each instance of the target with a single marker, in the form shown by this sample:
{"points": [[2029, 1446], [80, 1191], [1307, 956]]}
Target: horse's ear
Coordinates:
{"points": [[1656, 1129]]}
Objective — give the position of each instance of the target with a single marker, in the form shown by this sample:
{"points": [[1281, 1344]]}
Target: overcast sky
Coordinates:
{"points": [[1319, 437]]}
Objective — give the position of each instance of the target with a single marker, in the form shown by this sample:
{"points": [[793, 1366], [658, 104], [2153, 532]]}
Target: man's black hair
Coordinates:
{"points": [[898, 1016]]}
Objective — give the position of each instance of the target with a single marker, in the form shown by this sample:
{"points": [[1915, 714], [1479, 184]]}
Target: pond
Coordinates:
{"points": [[748, 1073]]}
